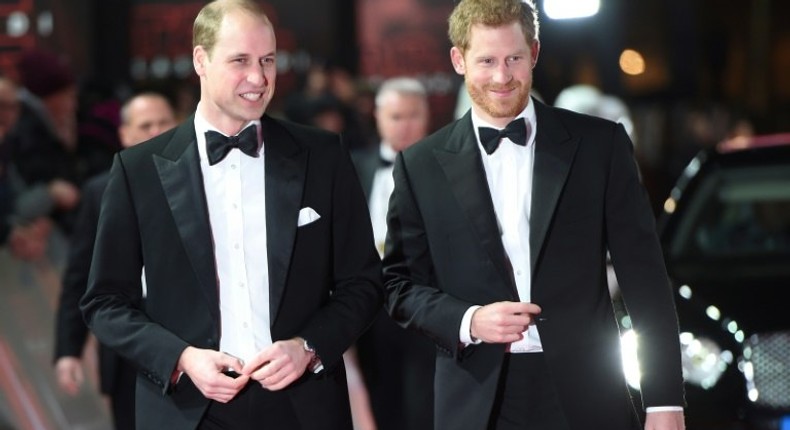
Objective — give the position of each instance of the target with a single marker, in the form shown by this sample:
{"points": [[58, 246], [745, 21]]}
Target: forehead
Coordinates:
{"points": [[148, 108], [244, 32], [505, 38], [403, 101]]}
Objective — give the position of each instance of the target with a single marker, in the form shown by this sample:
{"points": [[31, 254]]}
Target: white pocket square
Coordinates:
{"points": [[306, 216]]}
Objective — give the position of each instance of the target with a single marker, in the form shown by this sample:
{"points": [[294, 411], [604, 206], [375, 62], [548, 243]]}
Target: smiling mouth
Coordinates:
{"points": [[501, 91], [253, 97]]}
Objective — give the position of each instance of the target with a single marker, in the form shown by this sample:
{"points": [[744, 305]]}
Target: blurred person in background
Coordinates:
{"points": [[44, 145], [395, 363], [498, 228], [9, 114], [328, 99], [589, 100], [143, 117], [24, 225]]}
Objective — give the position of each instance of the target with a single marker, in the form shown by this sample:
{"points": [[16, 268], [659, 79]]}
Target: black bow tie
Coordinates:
{"points": [[218, 145], [383, 162], [515, 131]]}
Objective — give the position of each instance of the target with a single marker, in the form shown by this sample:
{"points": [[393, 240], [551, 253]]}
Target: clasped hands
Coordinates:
{"points": [[274, 368], [503, 322]]}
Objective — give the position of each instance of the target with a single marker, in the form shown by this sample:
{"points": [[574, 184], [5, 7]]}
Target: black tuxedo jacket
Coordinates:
{"points": [[367, 162], [324, 277], [444, 253]]}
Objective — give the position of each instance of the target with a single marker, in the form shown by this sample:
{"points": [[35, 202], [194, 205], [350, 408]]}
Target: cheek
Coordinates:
{"points": [[478, 77], [271, 76]]}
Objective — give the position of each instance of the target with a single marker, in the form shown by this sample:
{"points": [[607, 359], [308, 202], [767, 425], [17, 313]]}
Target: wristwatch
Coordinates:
{"points": [[315, 364]]}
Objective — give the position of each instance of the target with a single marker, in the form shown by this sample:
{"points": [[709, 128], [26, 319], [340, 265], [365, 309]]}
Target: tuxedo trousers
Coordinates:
{"points": [[526, 398], [253, 408]]}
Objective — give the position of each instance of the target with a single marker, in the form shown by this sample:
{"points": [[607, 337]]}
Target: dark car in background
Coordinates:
{"points": [[725, 232]]}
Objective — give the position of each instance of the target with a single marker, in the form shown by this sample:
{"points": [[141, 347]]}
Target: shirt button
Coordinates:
{"points": [[233, 166], [518, 272], [245, 325], [236, 246], [241, 284], [235, 206]]}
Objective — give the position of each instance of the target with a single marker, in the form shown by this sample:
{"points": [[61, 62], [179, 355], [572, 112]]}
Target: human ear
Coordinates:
{"points": [[457, 58]]}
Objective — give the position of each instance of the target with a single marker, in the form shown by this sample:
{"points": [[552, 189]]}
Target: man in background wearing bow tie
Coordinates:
{"points": [[395, 363], [144, 116], [254, 241], [498, 229]]}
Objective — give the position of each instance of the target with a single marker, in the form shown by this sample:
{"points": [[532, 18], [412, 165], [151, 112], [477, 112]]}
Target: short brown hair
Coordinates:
{"points": [[209, 19], [491, 13]]}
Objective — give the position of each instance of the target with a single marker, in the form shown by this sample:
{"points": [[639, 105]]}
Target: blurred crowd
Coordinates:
{"points": [[56, 131]]}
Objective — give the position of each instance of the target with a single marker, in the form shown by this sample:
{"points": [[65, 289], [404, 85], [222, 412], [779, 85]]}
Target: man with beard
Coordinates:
{"points": [[498, 230]]}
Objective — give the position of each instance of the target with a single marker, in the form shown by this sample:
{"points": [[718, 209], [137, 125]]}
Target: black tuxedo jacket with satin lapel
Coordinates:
{"points": [[444, 254], [324, 277], [367, 162]]}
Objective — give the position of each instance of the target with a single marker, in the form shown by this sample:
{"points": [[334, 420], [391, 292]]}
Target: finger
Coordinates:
{"points": [[282, 383], [514, 320], [229, 362], [79, 376], [510, 338], [523, 308], [260, 360], [268, 370]]}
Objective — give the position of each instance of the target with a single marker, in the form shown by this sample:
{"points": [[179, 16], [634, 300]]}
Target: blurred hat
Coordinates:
{"points": [[44, 73]]}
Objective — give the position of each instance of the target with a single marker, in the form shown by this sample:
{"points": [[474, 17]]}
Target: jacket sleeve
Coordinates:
{"points": [[112, 303], [641, 273], [413, 299]]}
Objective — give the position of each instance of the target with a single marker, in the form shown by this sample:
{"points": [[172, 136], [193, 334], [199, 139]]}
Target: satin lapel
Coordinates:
{"points": [[182, 182], [554, 153], [286, 168], [461, 162]]}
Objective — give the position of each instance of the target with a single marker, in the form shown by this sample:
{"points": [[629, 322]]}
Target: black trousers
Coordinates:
{"points": [[253, 408], [122, 397], [526, 398]]}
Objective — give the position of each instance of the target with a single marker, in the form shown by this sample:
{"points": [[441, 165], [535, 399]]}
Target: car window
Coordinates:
{"points": [[737, 212]]}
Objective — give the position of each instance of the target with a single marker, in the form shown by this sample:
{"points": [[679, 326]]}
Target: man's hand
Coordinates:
{"points": [[69, 373], [503, 322], [205, 366], [65, 194], [666, 420], [279, 365]]}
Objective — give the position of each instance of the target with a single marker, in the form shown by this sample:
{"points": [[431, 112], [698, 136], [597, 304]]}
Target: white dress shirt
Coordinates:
{"points": [[509, 174], [380, 191], [235, 194]]}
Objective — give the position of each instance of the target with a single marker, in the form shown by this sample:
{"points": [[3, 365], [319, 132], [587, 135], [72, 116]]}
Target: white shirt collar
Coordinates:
{"points": [[387, 153]]}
